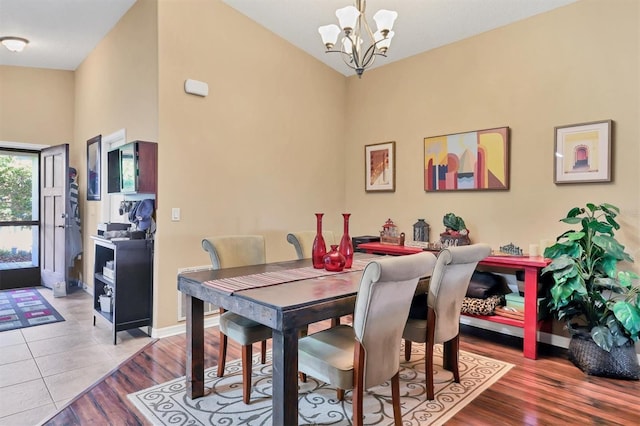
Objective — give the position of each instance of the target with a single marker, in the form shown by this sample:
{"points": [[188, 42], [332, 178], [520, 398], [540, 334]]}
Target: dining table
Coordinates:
{"points": [[285, 296]]}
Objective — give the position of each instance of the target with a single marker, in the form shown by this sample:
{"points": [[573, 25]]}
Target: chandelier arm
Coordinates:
{"points": [[370, 54], [355, 58], [345, 57]]}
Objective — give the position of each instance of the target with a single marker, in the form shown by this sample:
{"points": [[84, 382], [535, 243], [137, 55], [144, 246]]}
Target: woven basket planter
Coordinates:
{"points": [[620, 363]]}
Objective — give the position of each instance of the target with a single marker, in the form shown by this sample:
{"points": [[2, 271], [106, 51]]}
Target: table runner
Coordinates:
{"points": [[264, 279]]}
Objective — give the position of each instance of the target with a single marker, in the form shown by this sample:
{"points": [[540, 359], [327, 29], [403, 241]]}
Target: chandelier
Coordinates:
{"points": [[353, 50]]}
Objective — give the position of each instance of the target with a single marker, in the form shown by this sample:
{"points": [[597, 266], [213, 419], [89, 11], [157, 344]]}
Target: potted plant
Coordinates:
{"points": [[599, 303], [456, 232]]}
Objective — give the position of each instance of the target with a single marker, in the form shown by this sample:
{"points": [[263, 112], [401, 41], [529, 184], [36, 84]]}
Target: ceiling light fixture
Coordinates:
{"points": [[354, 25], [14, 44]]}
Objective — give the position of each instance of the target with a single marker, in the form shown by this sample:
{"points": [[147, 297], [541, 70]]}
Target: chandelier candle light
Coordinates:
{"points": [[354, 25]]}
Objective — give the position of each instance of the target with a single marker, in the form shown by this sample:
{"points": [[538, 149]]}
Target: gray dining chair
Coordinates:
{"points": [[447, 288], [228, 252], [302, 241], [367, 354]]}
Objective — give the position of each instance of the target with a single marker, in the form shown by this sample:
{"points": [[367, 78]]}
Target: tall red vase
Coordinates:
{"points": [[346, 245], [319, 248]]}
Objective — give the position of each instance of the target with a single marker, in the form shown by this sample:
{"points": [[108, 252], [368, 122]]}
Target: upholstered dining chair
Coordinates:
{"points": [[302, 241], [447, 288], [228, 252], [368, 353]]}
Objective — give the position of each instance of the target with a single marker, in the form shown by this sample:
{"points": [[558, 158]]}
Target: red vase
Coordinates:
{"points": [[334, 260], [346, 245], [319, 248]]}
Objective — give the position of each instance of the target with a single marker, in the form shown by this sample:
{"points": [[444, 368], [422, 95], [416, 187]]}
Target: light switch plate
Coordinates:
{"points": [[175, 214]]}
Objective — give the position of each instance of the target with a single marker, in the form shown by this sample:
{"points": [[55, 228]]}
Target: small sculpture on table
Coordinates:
{"points": [[390, 234], [456, 232], [511, 249]]}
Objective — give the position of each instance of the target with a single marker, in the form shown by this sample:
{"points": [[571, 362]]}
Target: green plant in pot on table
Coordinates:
{"points": [[599, 303]]}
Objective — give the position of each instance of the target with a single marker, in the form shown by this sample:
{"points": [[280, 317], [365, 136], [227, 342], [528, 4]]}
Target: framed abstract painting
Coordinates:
{"points": [[380, 167], [470, 161]]}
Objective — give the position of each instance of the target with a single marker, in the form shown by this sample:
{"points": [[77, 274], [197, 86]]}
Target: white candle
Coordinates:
{"points": [[534, 250]]}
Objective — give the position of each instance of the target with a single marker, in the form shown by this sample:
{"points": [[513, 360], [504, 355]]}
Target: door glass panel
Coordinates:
{"points": [[18, 247], [19, 227]]}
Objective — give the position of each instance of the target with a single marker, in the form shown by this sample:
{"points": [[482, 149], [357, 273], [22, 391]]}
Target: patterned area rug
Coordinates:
{"points": [[25, 307], [167, 404]]}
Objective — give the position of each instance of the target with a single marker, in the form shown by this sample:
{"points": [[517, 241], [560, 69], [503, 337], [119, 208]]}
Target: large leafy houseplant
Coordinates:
{"points": [[589, 291]]}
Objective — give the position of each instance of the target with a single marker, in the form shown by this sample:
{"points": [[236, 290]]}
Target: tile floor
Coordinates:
{"points": [[42, 368]]}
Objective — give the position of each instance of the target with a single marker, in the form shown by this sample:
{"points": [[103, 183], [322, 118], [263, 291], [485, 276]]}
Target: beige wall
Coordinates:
{"points": [[281, 136], [36, 106], [116, 88], [576, 64], [259, 155]]}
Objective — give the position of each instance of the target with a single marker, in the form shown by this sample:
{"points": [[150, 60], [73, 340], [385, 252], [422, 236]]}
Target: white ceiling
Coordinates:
{"points": [[63, 32]]}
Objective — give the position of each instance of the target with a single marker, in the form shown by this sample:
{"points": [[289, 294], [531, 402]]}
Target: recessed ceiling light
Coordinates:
{"points": [[14, 44]]}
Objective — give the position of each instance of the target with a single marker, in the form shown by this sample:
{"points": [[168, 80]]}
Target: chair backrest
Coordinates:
{"points": [[449, 284], [235, 250], [382, 306], [303, 241]]}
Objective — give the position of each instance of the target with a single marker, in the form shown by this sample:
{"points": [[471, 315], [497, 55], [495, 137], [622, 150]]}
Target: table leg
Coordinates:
{"points": [[531, 312], [285, 377], [195, 347]]}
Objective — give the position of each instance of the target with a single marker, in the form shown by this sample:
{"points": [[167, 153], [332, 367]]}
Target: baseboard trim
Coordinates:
{"points": [[211, 321]]}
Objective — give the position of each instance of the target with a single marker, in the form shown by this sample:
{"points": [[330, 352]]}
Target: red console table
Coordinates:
{"points": [[531, 267]]}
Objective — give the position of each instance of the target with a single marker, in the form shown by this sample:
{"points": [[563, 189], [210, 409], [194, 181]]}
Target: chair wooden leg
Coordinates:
{"points": [[222, 353], [263, 352], [302, 376], [340, 394], [428, 369], [407, 350], [450, 357], [335, 321], [246, 373], [395, 399], [428, 356], [358, 384], [358, 419]]}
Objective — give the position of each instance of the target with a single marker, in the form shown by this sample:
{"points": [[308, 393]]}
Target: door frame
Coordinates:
{"points": [[25, 277]]}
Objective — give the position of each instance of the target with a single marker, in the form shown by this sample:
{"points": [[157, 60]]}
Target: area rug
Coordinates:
{"points": [[25, 307], [167, 403]]}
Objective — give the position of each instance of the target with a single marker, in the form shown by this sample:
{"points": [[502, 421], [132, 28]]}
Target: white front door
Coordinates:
{"points": [[54, 195]]}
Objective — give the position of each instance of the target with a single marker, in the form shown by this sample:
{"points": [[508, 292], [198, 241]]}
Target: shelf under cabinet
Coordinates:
{"points": [[133, 273], [104, 278]]}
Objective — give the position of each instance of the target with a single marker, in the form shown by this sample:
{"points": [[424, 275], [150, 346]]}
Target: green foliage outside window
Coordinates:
{"points": [[15, 189]]}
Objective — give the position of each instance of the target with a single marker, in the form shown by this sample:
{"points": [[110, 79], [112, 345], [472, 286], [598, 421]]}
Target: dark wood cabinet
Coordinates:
{"points": [[133, 168], [131, 281]]}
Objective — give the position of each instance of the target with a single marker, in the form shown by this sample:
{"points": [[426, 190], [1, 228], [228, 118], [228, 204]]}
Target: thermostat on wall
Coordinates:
{"points": [[196, 87]]}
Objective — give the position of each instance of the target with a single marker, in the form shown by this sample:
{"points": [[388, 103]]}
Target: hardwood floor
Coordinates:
{"points": [[547, 391]]}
